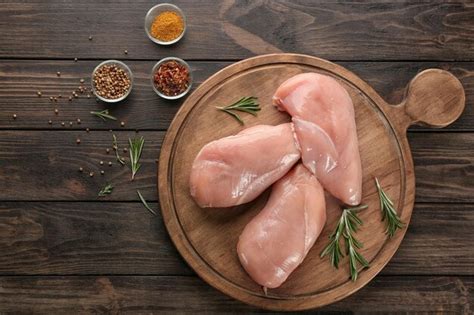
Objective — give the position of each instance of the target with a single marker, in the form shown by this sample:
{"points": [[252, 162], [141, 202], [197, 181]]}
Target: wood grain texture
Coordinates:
{"points": [[20, 80], [43, 165], [96, 238], [203, 236], [236, 30], [149, 295]]}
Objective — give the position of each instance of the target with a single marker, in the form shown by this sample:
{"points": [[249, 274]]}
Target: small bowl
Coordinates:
{"points": [[120, 65], [154, 12], [157, 65]]}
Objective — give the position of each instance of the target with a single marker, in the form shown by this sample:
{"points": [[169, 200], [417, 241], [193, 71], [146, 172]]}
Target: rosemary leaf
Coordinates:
{"points": [[115, 147], [145, 203], [104, 114], [348, 224], [248, 104], [136, 147], [107, 190], [389, 214]]}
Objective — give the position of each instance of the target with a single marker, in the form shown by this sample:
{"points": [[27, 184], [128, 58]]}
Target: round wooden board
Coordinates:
{"points": [[207, 238]]}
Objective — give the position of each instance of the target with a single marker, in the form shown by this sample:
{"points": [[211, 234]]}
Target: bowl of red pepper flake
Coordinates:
{"points": [[171, 78]]}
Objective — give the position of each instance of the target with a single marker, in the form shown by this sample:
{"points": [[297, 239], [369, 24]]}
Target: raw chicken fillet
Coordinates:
{"points": [[237, 169], [277, 240], [323, 116]]}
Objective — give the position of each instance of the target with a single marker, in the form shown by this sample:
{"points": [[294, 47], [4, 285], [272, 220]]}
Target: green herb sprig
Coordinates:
{"points": [[145, 203], [104, 115], [136, 147], [247, 104], [348, 224], [115, 147], [389, 214], [107, 190]]}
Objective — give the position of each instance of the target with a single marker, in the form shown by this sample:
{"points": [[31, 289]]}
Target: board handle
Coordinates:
{"points": [[434, 98]]}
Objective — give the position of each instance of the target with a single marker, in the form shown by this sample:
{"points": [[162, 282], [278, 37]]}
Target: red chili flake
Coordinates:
{"points": [[171, 78]]}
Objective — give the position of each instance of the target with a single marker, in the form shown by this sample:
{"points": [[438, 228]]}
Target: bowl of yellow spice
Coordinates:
{"points": [[165, 24]]}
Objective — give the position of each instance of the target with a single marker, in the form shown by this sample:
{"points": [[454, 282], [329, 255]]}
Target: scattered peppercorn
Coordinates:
{"points": [[87, 130], [70, 98], [75, 59], [39, 93], [90, 37], [58, 74], [171, 78], [81, 169], [50, 122], [62, 123], [111, 81], [102, 172], [51, 98], [81, 80], [101, 162], [91, 174], [122, 124], [56, 111], [125, 52], [78, 141], [88, 96], [78, 121], [107, 150], [14, 116], [59, 96], [125, 150], [70, 123]]}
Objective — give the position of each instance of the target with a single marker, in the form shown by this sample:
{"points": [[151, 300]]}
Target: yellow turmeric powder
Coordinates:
{"points": [[167, 26]]}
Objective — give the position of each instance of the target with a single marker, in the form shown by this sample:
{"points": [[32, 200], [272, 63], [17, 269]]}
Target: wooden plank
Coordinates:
{"points": [[21, 80], [94, 238], [43, 165], [145, 295], [235, 30]]}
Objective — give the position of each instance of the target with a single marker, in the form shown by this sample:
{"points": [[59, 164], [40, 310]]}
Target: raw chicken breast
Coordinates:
{"points": [[323, 115], [277, 240], [236, 169]]}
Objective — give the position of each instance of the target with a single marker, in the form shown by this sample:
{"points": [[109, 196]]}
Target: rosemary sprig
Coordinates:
{"points": [[104, 114], [107, 190], [136, 147], [247, 104], [145, 203], [348, 224], [115, 147], [388, 212]]}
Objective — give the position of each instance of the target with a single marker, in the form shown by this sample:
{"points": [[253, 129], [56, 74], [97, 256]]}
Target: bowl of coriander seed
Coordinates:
{"points": [[112, 81]]}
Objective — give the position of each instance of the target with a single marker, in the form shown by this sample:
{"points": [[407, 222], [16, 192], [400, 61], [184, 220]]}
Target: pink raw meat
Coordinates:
{"points": [[277, 240], [323, 115], [236, 169]]}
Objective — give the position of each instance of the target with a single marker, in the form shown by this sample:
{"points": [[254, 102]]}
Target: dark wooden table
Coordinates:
{"points": [[64, 250]]}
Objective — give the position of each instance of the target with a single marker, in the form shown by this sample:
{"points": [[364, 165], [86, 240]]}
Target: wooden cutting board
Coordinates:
{"points": [[207, 238]]}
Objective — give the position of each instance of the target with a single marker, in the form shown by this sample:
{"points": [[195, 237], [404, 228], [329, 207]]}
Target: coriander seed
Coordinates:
{"points": [[78, 141], [39, 93], [91, 174], [102, 172], [81, 169]]}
